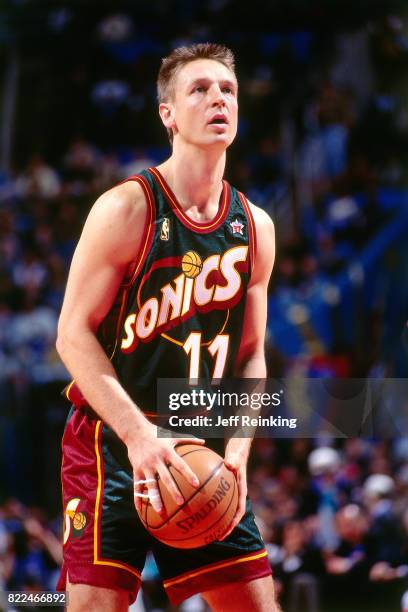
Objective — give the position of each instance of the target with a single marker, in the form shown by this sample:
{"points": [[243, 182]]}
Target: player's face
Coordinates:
{"points": [[205, 104]]}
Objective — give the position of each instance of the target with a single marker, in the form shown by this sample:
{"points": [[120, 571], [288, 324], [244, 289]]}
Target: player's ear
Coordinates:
{"points": [[166, 112]]}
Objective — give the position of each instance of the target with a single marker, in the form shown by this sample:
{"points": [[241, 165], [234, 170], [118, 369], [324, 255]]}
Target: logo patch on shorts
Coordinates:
{"points": [[75, 520], [79, 522]]}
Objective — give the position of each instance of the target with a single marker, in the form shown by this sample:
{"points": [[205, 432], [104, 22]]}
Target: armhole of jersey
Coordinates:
{"points": [[148, 227], [72, 390], [251, 228]]}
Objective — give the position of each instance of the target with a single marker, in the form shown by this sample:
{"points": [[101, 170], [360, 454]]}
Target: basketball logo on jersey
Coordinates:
{"points": [[165, 229], [191, 264], [202, 286]]}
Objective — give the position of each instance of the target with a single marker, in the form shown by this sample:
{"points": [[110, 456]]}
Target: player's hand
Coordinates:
{"points": [[151, 458], [236, 457]]}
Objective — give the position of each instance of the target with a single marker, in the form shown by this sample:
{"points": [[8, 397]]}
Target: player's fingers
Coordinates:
{"points": [[154, 491], [243, 492], [231, 527], [229, 530], [233, 462], [181, 466], [139, 490], [241, 508], [169, 482], [237, 518]]}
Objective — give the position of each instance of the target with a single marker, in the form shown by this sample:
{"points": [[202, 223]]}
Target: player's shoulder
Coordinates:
{"points": [[116, 222], [263, 221], [123, 202]]}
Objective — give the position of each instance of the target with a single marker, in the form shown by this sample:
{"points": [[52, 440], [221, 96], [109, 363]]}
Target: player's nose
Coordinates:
{"points": [[217, 98]]}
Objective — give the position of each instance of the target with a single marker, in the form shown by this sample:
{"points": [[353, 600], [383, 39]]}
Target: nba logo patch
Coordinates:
{"points": [[165, 229]]}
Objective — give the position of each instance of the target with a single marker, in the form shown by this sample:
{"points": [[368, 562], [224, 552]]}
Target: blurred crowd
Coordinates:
{"points": [[322, 147], [30, 549]]}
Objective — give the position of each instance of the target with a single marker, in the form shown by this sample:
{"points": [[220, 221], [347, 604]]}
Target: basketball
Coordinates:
{"points": [[207, 512], [79, 520], [191, 264]]}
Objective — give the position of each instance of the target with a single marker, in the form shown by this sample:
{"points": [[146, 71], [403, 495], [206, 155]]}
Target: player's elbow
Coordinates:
{"points": [[72, 336], [65, 339], [251, 360], [61, 343]]}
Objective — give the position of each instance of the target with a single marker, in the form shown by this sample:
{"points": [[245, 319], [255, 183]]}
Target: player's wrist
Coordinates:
{"points": [[134, 427], [239, 447]]}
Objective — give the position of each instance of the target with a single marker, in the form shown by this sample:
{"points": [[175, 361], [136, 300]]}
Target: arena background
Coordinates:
{"points": [[322, 146]]}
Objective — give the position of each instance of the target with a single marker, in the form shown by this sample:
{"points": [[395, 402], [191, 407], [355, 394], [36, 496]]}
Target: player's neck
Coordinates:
{"points": [[195, 176]]}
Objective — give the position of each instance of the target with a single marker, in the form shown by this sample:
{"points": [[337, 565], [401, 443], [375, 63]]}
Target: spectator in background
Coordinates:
{"points": [[324, 464], [385, 530], [389, 573], [9, 244], [349, 563], [323, 154], [80, 167], [32, 333], [32, 553], [296, 564], [38, 179], [30, 272]]}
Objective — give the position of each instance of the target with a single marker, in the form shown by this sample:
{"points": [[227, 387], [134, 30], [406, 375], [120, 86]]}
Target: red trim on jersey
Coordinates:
{"points": [[149, 223], [201, 228], [252, 230], [74, 395]]}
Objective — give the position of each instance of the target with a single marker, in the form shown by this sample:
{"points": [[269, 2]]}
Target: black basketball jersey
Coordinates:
{"points": [[181, 313]]}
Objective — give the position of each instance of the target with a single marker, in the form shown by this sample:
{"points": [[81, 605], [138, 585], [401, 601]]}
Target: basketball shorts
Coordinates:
{"points": [[105, 544]]}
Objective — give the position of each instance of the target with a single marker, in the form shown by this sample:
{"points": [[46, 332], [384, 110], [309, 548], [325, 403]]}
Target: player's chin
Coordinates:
{"points": [[221, 140]]}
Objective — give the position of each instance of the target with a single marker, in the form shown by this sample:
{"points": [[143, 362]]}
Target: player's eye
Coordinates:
{"points": [[227, 90], [199, 88]]}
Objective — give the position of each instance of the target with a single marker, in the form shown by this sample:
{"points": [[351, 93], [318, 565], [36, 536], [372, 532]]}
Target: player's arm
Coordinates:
{"points": [[105, 255], [251, 356]]}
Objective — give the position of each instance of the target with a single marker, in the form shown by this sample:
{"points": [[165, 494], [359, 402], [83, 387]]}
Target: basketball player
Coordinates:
{"points": [[130, 316]]}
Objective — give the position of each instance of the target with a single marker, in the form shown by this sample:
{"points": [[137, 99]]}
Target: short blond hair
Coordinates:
{"points": [[180, 57]]}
